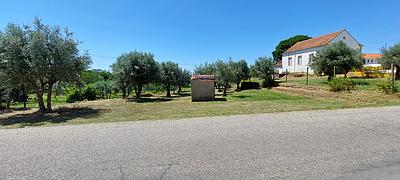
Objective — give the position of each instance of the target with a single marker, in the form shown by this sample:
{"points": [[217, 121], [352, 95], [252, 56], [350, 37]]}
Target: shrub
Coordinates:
{"points": [[74, 95], [249, 85], [89, 93], [269, 83], [387, 87], [360, 82], [341, 84]]}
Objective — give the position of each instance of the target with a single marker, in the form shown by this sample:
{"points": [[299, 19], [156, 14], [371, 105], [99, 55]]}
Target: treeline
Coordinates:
{"points": [[234, 72], [134, 70]]}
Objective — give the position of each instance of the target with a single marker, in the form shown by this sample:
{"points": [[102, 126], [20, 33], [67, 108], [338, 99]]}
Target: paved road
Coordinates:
{"points": [[345, 144]]}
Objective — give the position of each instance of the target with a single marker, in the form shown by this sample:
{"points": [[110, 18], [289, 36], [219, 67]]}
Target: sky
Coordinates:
{"points": [[191, 32]]}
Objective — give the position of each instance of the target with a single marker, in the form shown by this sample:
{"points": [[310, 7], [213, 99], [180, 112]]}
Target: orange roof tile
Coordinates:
{"points": [[314, 42], [372, 56], [203, 77]]}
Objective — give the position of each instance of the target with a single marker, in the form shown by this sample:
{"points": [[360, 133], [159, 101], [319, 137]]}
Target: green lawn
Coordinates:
{"points": [[155, 108], [322, 82]]}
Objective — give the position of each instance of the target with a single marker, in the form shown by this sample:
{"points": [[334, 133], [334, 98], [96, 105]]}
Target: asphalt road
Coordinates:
{"points": [[344, 144]]}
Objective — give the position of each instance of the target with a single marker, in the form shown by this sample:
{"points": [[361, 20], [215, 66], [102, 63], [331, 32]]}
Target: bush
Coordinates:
{"points": [[249, 85], [89, 94], [341, 84], [74, 95], [360, 82], [387, 87], [269, 83]]}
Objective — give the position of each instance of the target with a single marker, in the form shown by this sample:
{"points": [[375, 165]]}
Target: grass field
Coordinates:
{"points": [[321, 82], [158, 107]]}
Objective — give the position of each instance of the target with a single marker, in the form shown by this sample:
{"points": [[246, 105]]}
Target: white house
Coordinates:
{"points": [[372, 60], [297, 58]]}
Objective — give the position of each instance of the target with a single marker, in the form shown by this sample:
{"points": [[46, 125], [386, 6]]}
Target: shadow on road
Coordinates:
{"points": [[59, 115]]}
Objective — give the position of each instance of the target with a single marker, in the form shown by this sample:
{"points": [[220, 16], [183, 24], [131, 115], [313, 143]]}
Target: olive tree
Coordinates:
{"points": [[337, 55], [184, 77], [391, 55], [41, 55], [263, 69], [224, 74], [241, 71], [169, 74], [140, 68], [121, 75]]}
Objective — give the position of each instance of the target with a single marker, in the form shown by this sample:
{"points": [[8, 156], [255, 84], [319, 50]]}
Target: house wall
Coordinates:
{"points": [[203, 90], [348, 40], [295, 67], [305, 54]]}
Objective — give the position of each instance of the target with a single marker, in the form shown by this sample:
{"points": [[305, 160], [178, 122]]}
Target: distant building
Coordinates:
{"points": [[372, 60], [203, 87], [297, 58]]}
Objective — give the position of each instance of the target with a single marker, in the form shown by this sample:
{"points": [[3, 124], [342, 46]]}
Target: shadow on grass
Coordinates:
{"points": [[150, 100], [60, 115], [241, 96]]}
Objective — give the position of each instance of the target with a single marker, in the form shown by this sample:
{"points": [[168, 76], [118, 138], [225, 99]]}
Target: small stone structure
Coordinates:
{"points": [[203, 87]]}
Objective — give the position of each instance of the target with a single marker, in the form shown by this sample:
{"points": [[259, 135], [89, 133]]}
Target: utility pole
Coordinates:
{"points": [[334, 71], [392, 72], [286, 75], [307, 77]]}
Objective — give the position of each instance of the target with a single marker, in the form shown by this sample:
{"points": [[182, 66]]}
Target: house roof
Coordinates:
{"points": [[278, 64], [203, 77], [314, 42], [372, 56]]}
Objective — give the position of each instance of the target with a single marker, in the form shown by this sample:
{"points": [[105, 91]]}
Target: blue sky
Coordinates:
{"points": [[191, 32]]}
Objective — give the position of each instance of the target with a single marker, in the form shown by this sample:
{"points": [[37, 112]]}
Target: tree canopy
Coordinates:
{"points": [[286, 44], [41, 55], [337, 55], [224, 73], [391, 55], [241, 71], [136, 69], [169, 75], [263, 69]]}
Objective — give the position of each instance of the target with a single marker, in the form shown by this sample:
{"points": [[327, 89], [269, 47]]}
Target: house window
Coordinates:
{"points": [[290, 61], [299, 60], [311, 57]]}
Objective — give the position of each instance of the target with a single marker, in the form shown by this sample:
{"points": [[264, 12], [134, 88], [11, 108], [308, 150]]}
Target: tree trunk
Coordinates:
{"points": [[237, 85], [345, 74], [397, 74], [224, 93], [179, 90], [168, 91], [39, 96], [49, 94], [138, 91], [24, 96], [123, 93]]}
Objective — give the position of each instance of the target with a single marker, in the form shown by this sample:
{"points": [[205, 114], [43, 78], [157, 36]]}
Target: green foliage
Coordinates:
{"points": [[341, 84], [137, 67], [387, 87], [92, 76], [41, 55], [286, 44], [337, 55], [169, 75], [89, 93], [105, 89], [74, 95], [391, 55], [224, 73], [206, 69], [241, 71], [264, 69], [249, 85]]}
